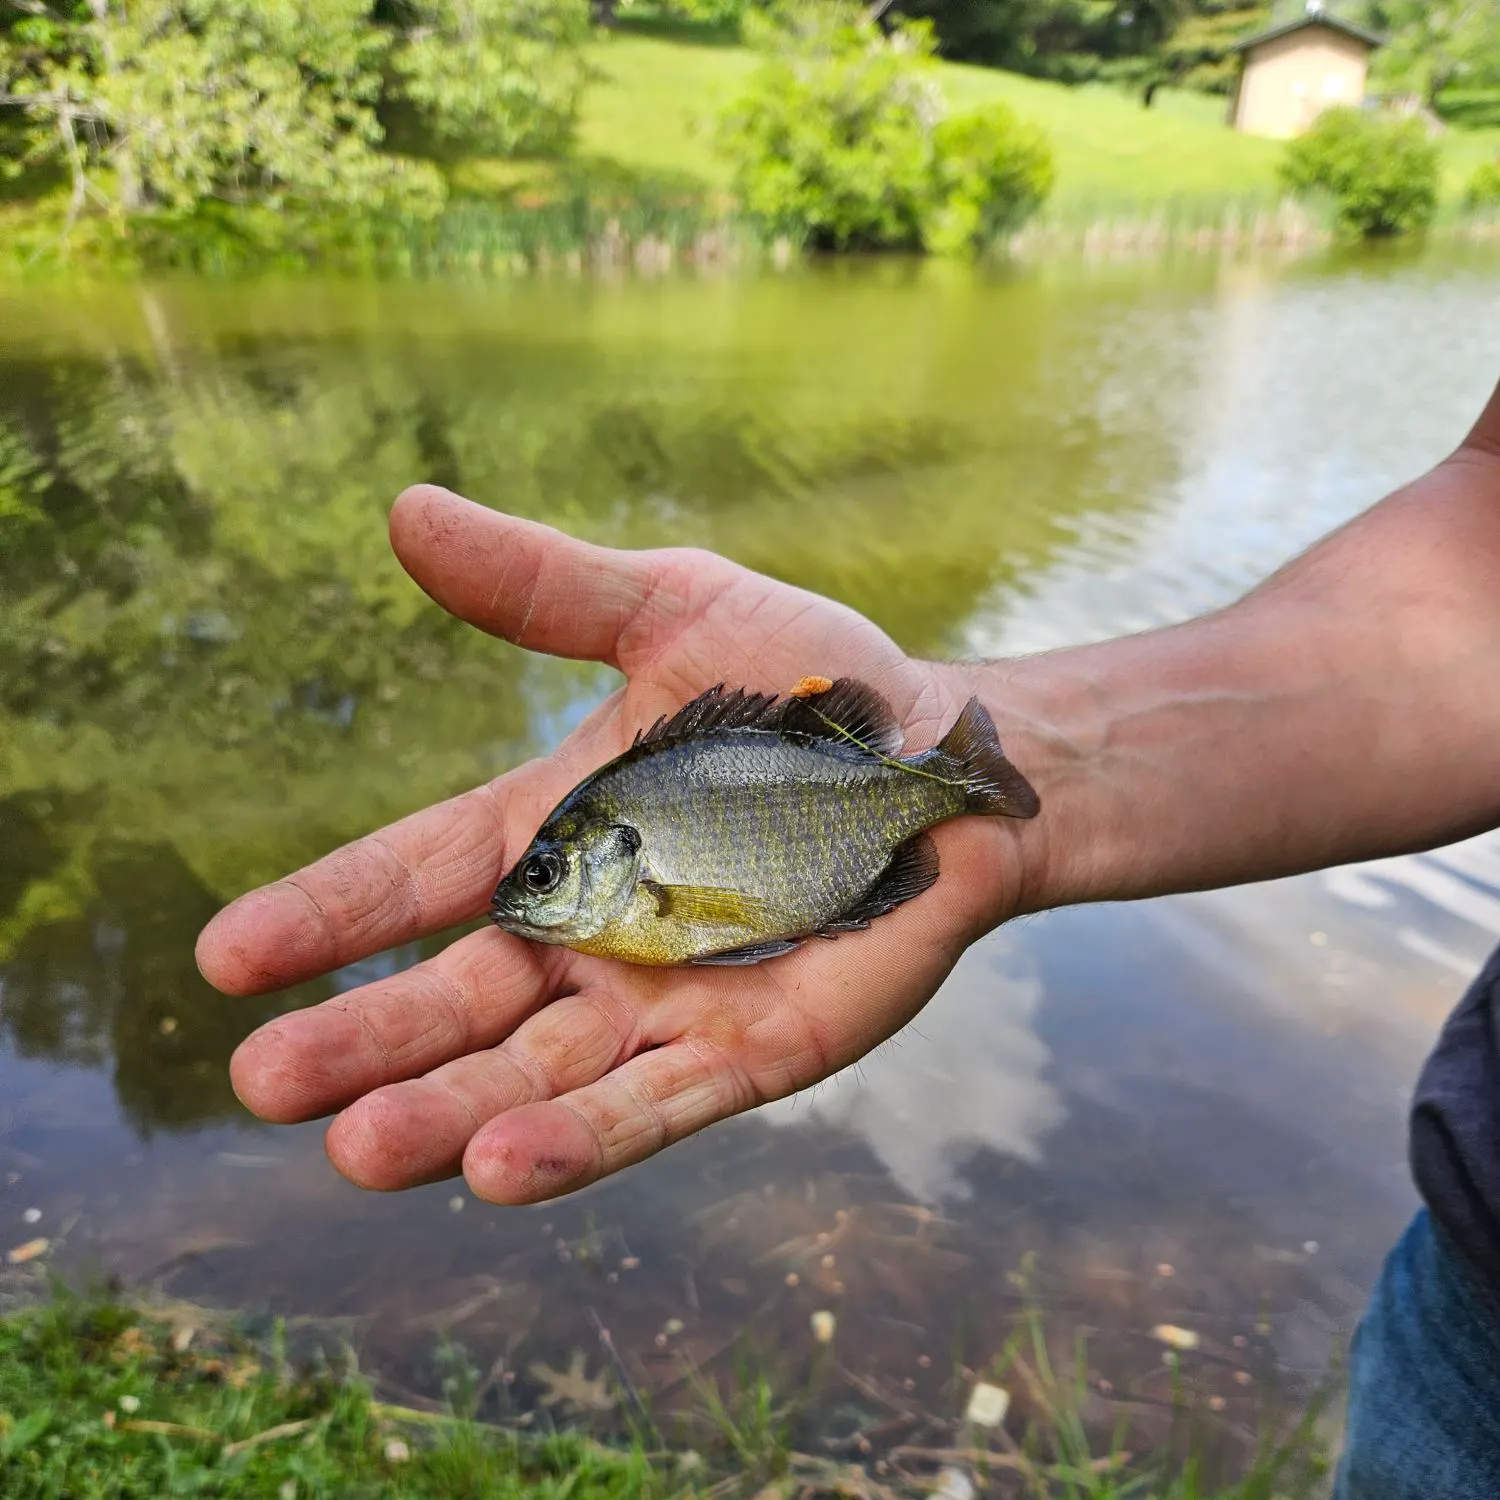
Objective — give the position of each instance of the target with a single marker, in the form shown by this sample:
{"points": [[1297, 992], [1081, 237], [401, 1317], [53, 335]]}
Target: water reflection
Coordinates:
{"points": [[115, 986], [972, 1073], [212, 670]]}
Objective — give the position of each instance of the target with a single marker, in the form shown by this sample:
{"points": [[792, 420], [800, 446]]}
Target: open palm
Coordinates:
{"points": [[536, 1070]]}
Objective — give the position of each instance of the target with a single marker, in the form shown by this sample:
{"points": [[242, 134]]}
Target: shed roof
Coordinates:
{"points": [[1312, 18]]}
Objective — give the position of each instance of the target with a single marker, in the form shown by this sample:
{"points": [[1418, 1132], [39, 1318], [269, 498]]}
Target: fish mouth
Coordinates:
{"points": [[519, 927], [506, 914]]}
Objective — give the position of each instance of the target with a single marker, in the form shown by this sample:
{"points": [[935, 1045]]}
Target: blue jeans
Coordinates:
{"points": [[1424, 1382]]}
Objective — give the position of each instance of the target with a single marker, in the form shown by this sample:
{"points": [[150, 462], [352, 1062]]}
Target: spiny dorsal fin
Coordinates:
{"points": [[912, 869], [849, 713], [715, 709]]}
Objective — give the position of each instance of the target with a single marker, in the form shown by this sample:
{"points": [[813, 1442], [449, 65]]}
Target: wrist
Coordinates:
{"points": [[1046, 713]]}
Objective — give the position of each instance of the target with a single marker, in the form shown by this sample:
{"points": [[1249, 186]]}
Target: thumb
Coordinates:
{"points": [[520, 580]]}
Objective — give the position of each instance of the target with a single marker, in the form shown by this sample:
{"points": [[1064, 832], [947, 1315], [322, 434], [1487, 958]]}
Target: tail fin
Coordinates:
{"points": [[994, 786]]}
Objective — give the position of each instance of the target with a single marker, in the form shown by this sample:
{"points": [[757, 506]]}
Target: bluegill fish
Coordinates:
{"points": [[746, 823]]}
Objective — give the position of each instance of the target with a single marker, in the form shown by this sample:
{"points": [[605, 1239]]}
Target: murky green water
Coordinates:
{"points": [[212, 670]]}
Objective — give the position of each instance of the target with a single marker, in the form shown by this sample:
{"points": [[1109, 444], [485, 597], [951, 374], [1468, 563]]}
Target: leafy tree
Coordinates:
{"points": [[831, 140], [265, 114], [1381, 174], [1199, 51], [1067, 40], [167, 104], [840, 141], [1434, 44], [499, 75]]}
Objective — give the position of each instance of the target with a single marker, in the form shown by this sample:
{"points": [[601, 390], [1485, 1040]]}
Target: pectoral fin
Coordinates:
{"points": [[701, 903]]}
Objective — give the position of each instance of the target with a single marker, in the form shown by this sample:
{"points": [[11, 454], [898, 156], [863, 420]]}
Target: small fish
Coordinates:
{"points": [[745, 824]]}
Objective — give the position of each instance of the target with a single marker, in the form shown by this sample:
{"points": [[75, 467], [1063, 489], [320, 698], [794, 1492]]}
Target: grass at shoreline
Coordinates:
{"points": [[99, 1399], [102, 1399]]}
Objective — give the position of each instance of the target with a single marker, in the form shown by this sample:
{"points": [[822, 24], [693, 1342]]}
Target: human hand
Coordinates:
{"points": [[536, 1070]]}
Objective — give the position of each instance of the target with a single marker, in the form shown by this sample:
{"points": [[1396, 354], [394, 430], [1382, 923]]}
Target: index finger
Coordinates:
{"points": [[514, 578], [421, 875]]}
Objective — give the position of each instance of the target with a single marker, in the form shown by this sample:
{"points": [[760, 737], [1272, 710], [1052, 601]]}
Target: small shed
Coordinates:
{"points": [[1292, 73]]}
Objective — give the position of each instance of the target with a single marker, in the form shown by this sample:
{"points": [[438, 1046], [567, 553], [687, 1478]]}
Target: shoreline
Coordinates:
{"points": [[508, 244], [140, 1386]]}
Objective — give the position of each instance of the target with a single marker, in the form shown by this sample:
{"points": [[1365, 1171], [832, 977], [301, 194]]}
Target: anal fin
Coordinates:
{"points": [[912, 869]]}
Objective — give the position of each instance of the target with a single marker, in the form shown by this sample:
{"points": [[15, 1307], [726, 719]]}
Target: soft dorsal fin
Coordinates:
{"points": [[848, 712], [712, 710]]}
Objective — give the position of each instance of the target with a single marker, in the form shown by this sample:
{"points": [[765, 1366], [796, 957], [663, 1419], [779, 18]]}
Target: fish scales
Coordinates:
{"points": [[745, 824], [703, 808]]}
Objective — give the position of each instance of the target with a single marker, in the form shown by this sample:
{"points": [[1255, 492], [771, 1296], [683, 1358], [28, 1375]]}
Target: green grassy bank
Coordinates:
{"points": [[104, 1400], [646, 184], [99, 1401], [650, 117]]}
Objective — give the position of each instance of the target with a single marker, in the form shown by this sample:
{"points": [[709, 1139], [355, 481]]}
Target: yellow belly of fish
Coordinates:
{"points": [[643, 936]]}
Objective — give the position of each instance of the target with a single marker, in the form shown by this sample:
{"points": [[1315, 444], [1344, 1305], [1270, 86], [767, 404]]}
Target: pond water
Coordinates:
{"points": [[1188, 1111]]}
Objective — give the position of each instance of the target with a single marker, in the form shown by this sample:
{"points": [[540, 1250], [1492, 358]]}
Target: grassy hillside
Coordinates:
{"points": [[1464, 150], [1111, 150], [653, 110], [650, 116]]}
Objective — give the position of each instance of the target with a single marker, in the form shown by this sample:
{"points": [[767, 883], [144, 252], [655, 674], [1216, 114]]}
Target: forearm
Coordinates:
{"points": [[1349, 708]]}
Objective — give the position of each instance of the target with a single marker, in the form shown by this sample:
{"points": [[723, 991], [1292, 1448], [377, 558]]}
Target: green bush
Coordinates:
{"points": [[830, 141], [1483, 190], [992, 171], [841, 142], [1382, 175]]}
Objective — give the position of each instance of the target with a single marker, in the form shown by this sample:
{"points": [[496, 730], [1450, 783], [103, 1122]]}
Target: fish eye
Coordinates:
{"points": [[541, 873]]}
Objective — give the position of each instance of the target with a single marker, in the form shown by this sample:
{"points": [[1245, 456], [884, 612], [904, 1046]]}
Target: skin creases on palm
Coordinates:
{"points": [[535, 1070]]}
